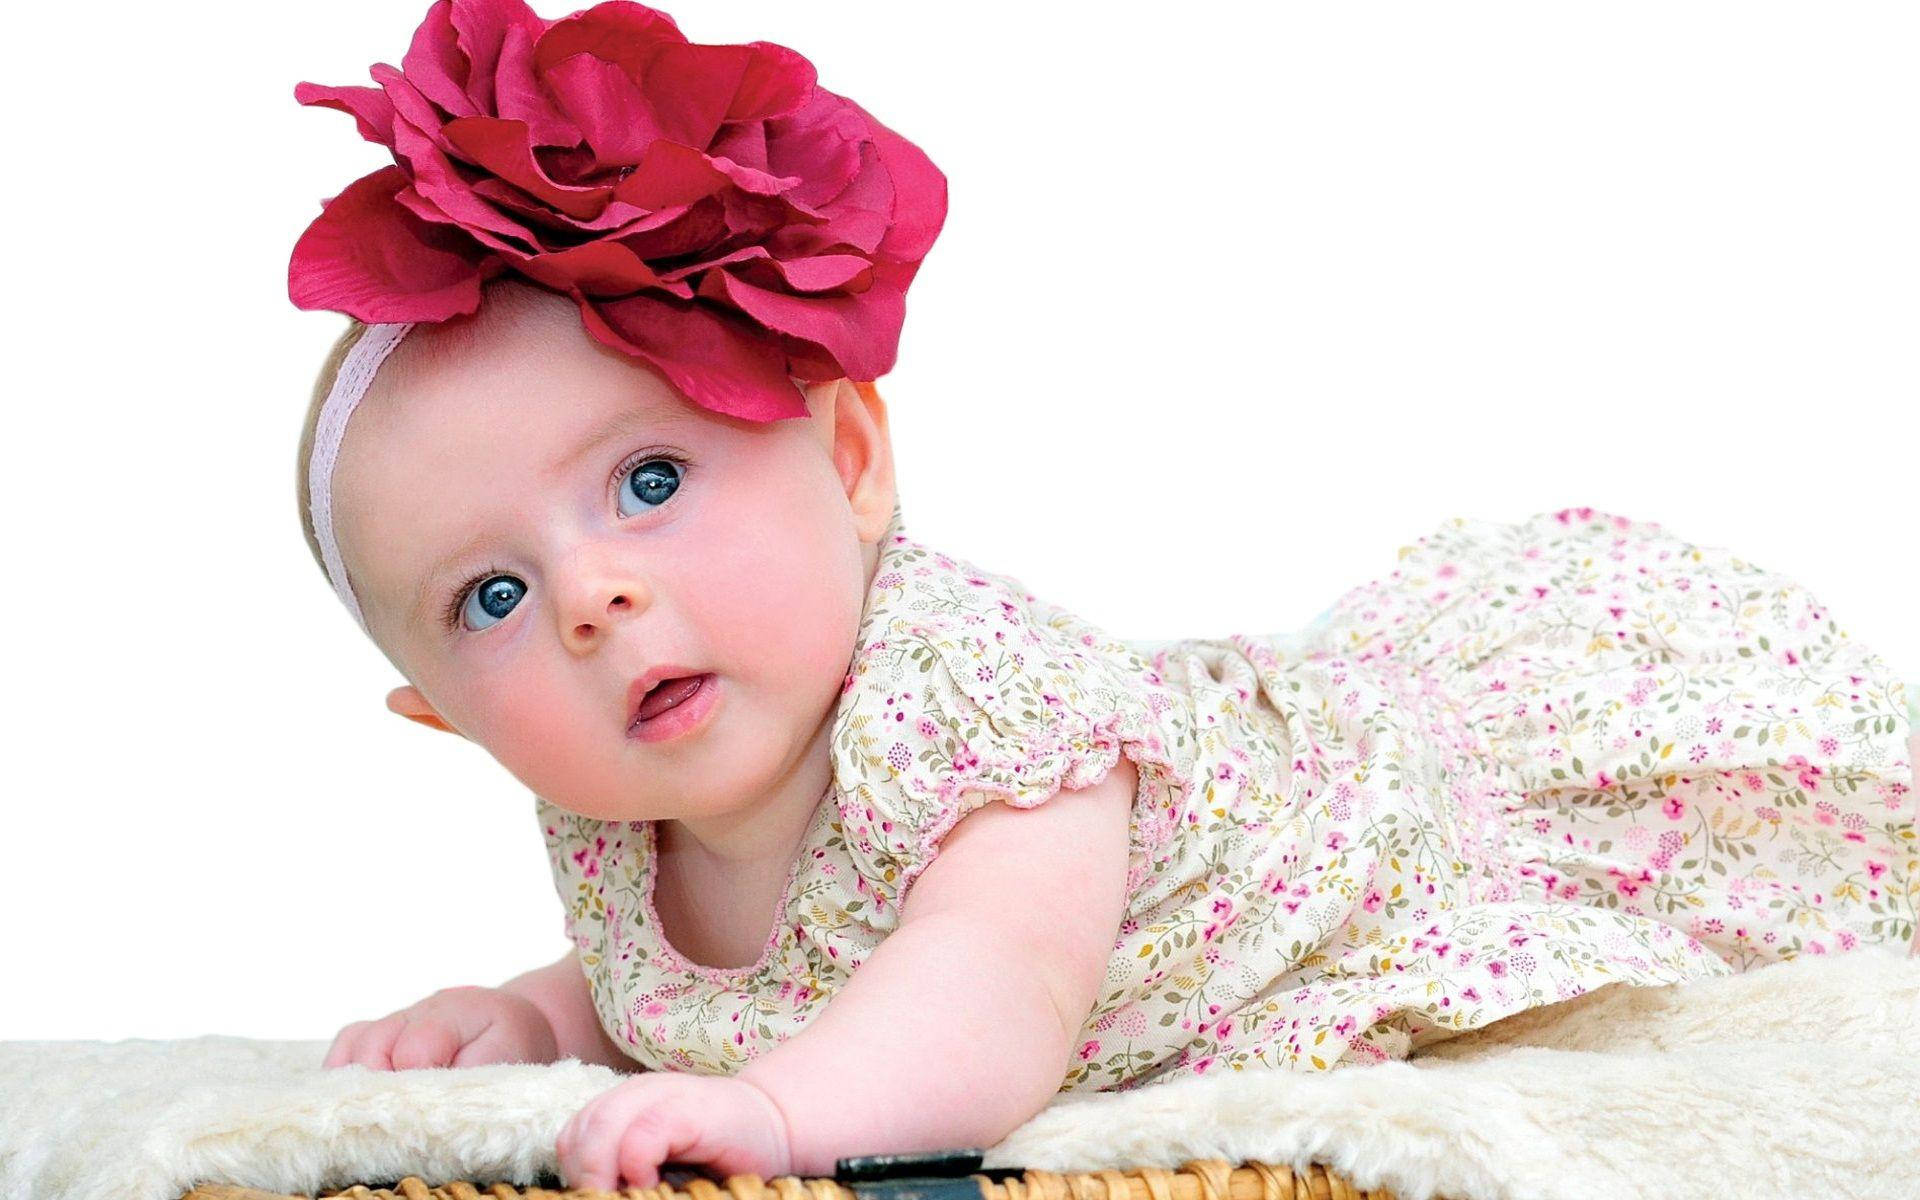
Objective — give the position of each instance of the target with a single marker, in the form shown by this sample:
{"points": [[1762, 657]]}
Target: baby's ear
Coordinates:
{"points": [[409, 703]]}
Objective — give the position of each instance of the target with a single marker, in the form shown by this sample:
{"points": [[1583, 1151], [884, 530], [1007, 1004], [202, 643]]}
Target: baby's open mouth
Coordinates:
{"points": [[667, 694]]}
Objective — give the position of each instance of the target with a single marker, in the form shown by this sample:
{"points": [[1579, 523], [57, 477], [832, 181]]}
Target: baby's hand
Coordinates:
{"points": [[627, 1132], [454, 1027]]}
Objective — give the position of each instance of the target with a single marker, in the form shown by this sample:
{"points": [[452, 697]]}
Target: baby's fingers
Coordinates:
{"points": [[365, 1043], [341, 1052], [497, 1042], [643, 1147], [611, 1135], [372, 1045], [428, 1042]]}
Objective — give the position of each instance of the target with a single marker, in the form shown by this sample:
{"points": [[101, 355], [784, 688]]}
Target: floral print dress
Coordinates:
{"points": [[1533, 760]]}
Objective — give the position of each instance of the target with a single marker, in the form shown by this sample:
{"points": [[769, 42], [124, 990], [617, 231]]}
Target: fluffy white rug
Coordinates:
{"points": [[1796, 1079]]}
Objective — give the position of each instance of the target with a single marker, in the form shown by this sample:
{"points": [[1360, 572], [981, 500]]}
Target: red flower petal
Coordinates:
{"points": [[371, 109], [860, 330], [773, 82], [670, 175], [708, 264], [752, 179], [367, 256], [434, 176], [613, 220], [919, 189], [519, 95], [608, 108], [483, 29], [695, 89], [857, 217], [823, 142], [817, 273], [717, 361], [809, 363], [823, 272], [420, 206], [693, 230], [744, 142], [596, 268], [435, 64], [618, 31], [502, 147], [457, 51]]}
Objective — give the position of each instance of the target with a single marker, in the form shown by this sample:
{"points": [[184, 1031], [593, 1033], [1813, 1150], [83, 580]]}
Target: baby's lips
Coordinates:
{"points": [[638, 689]]}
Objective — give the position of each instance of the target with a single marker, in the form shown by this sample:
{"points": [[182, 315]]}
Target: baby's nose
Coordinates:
{"points": [[599, 599], [618, 604]]}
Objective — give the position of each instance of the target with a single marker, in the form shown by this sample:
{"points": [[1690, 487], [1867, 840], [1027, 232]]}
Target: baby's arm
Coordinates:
{"points": [[960, 1025], [559, 990]]}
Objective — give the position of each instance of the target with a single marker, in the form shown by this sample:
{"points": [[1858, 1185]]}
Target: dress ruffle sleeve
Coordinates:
{"points": [[994, 695]]}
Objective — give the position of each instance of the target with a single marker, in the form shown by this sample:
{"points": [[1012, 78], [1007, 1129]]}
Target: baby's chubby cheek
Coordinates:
{"points": [[792, 636], [791, 632], [557, 743]]}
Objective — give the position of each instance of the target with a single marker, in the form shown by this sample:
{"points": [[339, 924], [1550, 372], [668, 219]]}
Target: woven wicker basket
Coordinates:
{"points": [[1197, 1179]]}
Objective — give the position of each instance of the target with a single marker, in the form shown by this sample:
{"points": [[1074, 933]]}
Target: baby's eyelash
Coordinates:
{"points": [[648, 455], [450, 617]]}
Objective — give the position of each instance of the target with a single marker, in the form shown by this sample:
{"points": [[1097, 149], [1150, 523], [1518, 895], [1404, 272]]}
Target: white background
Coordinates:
{"points": [[1232, 302]]}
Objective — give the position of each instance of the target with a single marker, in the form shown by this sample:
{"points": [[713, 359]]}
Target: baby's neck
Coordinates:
{"points": [[717, 881], [761, 838]]}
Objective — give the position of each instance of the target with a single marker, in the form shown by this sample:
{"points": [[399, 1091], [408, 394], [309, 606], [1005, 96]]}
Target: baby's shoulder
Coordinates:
{"points": [[965, 686], [945, 641]]}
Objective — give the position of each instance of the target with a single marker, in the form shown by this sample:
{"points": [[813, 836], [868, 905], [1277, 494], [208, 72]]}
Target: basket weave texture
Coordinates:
{"points": [[1196, 1179]]}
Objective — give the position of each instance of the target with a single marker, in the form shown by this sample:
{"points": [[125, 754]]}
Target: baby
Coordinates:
{"points": [[863, 849], [665, 637]]}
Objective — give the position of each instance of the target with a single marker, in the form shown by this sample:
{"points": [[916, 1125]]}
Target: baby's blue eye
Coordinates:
{"points": [[652, 482], [495, 597]]}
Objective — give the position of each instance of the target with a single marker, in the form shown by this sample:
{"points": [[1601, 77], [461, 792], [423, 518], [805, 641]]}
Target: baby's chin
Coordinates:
{"points": [[601, 809], [724, 803], [609, 804]]}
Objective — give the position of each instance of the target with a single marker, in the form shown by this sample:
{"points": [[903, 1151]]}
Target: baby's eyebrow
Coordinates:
{"points": [[628, 421], [425, 592]]}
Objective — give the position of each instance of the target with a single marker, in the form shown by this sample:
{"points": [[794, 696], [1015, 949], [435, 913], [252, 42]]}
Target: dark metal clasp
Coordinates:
{"points": [[932, 1175]]}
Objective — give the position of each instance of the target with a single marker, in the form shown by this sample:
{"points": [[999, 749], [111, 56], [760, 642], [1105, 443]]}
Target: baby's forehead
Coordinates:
{"points": [[526, 403], [513, 378], [517, 330]]}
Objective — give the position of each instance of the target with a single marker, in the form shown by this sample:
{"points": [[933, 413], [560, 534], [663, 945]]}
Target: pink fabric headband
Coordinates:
{"points": [[349, 385]]}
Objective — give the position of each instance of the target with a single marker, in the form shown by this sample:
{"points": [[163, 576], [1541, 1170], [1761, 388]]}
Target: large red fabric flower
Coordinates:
{"points": [[711, 209]]}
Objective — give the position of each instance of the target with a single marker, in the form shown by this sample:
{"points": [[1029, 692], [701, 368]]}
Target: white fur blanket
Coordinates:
{"points": [[1795, 1079]]}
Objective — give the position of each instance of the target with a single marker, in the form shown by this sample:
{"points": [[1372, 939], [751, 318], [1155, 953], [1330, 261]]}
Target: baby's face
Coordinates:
{"points": [[534, 521]]}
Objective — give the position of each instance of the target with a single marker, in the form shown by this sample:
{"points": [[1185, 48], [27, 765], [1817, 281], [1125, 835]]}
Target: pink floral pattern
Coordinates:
{"points": [[1534, 760]]}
